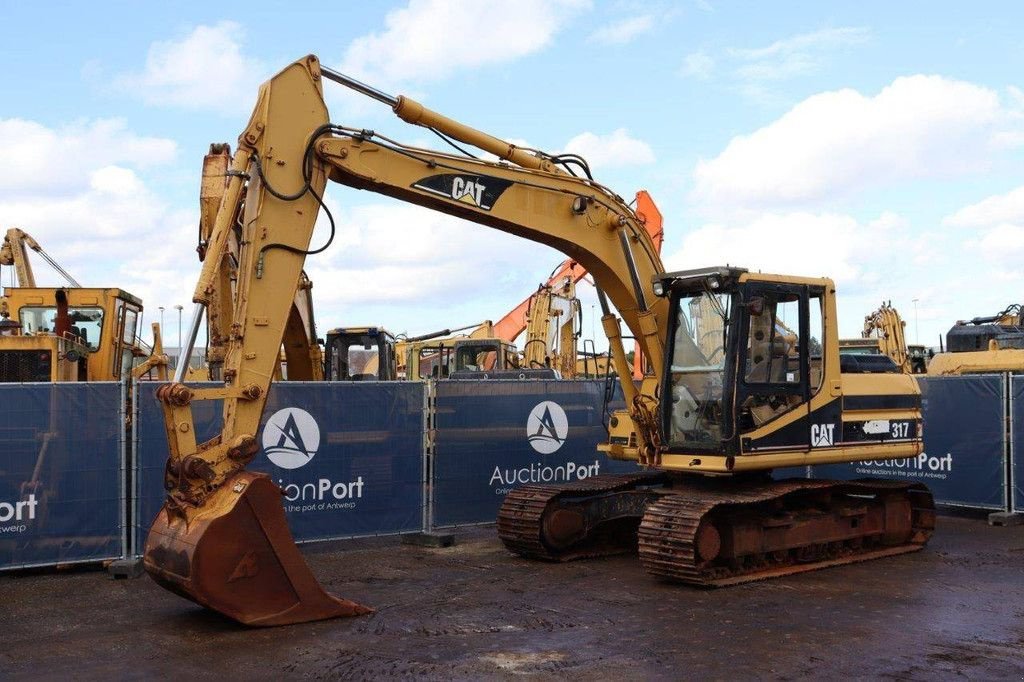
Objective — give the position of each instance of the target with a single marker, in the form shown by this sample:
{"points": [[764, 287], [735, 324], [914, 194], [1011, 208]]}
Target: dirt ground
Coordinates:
{"points": [[955, 610]]}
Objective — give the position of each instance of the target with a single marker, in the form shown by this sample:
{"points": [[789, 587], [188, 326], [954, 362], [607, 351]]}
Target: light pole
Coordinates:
{"points": [[917, 338], [161, 319], [180, 350]]}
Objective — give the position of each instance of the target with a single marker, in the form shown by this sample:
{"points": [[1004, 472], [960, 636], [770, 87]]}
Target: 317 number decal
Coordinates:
{"points": [[900, 429]]}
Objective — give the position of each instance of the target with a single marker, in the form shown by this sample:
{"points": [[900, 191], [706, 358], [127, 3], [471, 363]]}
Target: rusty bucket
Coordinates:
{"points": [[235, 555]]}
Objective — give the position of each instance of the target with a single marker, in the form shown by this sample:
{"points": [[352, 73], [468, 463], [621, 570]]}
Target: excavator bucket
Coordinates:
{"points": [[235, 555]]}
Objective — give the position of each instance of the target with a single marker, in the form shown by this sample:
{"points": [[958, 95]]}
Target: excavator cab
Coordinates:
{"points": [[73, 334], [741, 354], [360, 354], [479, 355]]}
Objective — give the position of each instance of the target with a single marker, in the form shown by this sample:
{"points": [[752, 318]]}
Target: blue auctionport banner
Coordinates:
{"points": [[964, 458], [493, 436], [61, 473], [348, 456]]}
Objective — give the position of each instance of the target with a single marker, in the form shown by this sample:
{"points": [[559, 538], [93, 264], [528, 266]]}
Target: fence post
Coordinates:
{"points": [[429, 449], [1007, 443], [122, 416]]}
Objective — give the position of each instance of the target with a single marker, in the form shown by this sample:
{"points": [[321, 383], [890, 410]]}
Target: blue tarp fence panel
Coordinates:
{"points": [[492, 436], [1017, 442], [61, 473], [964, 461], [349, 456]]}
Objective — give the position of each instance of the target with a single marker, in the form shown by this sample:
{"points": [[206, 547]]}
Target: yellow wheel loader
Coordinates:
{"points": [[64, 334]]}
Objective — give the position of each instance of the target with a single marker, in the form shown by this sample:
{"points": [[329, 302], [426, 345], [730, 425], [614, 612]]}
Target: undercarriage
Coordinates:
{"points": [[715, 532]]}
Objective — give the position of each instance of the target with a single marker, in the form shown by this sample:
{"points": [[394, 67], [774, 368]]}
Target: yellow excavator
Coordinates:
{"points": [[439, 355], [730, 400], [70, 333], [884, 335], [360, 354], [994, 343], [554, 321]]}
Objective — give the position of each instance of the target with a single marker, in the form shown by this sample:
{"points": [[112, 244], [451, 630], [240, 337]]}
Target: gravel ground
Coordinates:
{"points": [[954, 610]]}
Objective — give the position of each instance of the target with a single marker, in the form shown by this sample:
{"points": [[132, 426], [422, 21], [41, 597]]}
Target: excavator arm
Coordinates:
{"points": [[886, 325], [14, 252], [302, 353], [273, 195]]}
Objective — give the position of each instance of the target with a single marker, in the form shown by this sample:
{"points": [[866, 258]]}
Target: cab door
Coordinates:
{"points": [[773, 377], [124, 341]]}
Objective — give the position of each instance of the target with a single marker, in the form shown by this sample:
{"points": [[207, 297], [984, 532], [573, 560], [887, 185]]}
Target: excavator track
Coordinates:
{"points": [[544, 521], [715, 538]]}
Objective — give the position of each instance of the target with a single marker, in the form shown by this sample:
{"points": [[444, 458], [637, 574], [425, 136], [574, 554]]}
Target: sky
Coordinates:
{"points": [[880, 144]]}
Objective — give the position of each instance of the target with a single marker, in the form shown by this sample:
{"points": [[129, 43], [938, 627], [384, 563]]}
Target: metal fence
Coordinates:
{"points": [[348, 456], [493, 436], [62, 473], [361, 459], [966, 455]]}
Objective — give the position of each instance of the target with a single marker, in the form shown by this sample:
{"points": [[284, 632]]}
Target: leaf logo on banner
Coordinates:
{"points": [[547, 427], [291, 438]]}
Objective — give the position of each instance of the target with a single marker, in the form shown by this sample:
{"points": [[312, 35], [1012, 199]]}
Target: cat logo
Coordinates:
{"points": [[291, 438], [467, 191], [547, 427], [822, 435], [477, 191]]}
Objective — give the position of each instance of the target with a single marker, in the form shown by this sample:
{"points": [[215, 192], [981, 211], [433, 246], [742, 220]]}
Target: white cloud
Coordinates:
{"points": [[699, 65], [622, 32], [794, 56], [56, 161], [1001, 208], [618, 148], [824, 39], [755, 71], [431, 40], [203, 70], [786, 243], [1003, 246], [996, 234], [836, 143], [400, 253], [866, 259], [94, 212]]}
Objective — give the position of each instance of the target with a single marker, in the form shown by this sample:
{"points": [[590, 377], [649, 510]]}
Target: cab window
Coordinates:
{"points": [[773, 341], [776, 351], [433, 362], [697, 368], [356, 357], [86, 323], [816, 335]]}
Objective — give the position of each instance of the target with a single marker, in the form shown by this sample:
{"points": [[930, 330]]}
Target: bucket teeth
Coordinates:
{"points": [[235, 555]]}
